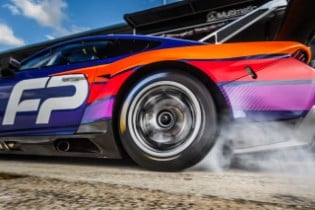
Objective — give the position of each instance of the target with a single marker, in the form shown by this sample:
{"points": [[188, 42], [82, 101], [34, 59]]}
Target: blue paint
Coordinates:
{"points": [[25, 122]]}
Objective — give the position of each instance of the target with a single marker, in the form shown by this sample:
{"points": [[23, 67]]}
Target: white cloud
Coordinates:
{"points": [[8, 38], [72, 30], [47, 13], [14, 10]]}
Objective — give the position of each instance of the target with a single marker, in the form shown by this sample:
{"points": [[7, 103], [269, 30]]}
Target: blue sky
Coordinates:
{"points": [[24, 22]]}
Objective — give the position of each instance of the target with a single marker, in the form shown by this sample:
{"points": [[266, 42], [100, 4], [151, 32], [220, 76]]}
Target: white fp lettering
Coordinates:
{"points": [[16, 105], [63, 103]]}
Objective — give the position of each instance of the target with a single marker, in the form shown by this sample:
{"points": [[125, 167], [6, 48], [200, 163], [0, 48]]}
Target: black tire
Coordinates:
{"points": [[168, 121]]}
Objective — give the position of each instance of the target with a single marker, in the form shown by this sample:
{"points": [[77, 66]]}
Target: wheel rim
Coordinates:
{"points": [[164, 118]]}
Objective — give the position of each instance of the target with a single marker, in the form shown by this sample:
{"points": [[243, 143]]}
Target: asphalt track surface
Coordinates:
{"points": [[289, 186]]}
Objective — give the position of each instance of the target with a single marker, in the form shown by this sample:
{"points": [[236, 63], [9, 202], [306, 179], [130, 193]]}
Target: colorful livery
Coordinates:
{"points": [[163, 102]]}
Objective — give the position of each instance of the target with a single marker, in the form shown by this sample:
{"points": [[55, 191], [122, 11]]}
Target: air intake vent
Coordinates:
{"points": [[301, 56]]}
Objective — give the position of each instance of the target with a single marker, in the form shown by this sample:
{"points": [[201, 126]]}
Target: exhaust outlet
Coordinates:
{"points": [[63, 146], [4, 146]]}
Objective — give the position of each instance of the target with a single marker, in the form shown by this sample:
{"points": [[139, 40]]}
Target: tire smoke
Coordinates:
{"points": [[291, 160]]}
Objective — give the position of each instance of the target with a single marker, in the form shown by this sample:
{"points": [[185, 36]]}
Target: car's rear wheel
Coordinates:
{"points": [[168, 121]]}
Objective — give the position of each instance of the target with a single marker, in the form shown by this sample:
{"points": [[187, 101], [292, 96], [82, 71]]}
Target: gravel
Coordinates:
{"points": [[59, 183], [25, 192]]}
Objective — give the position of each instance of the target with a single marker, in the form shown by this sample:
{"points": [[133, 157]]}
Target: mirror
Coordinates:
{"points": [[8, 66]]}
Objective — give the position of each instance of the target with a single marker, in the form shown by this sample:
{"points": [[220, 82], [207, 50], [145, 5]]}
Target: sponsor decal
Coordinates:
{"points": [[18, 105], [222, 15]]}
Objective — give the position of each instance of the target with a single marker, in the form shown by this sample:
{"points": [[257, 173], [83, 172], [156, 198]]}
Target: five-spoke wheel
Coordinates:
{"points": [[168, 121]]}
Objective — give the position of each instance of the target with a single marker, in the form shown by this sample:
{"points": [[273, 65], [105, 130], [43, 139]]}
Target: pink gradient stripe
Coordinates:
{"points": [[99, 110], [270, 97]]}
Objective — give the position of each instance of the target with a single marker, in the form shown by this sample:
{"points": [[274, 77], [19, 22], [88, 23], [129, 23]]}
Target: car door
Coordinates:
{"points": [[36, 101]]}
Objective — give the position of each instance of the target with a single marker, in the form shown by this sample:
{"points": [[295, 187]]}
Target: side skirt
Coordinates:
{"points": [[91, 141]]}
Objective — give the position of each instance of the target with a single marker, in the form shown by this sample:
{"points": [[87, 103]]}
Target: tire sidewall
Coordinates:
{"points": [[201, 145]]}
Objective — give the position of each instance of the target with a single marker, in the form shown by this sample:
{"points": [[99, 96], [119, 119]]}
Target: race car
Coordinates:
{"points": [[163, 102]]}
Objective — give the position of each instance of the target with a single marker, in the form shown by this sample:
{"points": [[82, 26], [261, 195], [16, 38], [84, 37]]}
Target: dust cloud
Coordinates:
{"points": [[291, 160]]}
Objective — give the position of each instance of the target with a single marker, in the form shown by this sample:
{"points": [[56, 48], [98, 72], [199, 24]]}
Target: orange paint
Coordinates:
{"points": [[200, 52]]}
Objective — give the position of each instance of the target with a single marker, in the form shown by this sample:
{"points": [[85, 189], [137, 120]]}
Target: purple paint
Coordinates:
{"points": [[101, 109], [270, 97]]}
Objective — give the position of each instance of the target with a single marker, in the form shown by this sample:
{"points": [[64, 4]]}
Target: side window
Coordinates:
{"points": [[128, 46], [86, 51], [80, 52], [66, 54], [37, 62], [104, 49]]}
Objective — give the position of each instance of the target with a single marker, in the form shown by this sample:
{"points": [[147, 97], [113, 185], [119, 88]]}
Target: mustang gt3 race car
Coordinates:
{"points": [[163, 102]]}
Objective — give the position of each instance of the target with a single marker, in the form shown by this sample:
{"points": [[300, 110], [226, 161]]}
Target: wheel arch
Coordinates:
{"points": [[218, 97]]}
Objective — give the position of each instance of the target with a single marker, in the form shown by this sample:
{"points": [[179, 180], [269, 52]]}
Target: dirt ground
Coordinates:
{"points": [[24, 192], [59, 183]]}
